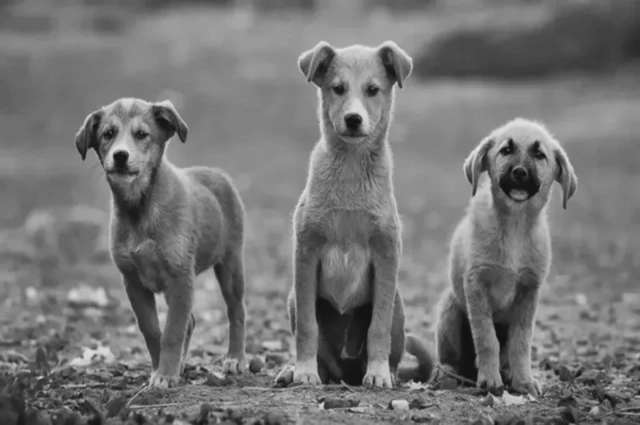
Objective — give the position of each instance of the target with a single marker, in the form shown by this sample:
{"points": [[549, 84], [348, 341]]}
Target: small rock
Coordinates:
{"points": [[568, 402], [569, 414], [489, 400], [115, 405], [255, 365], [214, 380], [272, 418], [505, 419], [564, 374], [399, 405], [285, 377], [339, 403], [419, 404], [593, 377]]}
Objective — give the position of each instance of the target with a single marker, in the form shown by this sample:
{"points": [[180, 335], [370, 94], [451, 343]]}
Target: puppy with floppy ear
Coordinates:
{"points": [[501, 255], [344, 306], [168, 225]]}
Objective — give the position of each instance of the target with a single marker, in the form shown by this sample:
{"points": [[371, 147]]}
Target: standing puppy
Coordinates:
{"points": [[344, 307], [168, 225], [500, 256]]}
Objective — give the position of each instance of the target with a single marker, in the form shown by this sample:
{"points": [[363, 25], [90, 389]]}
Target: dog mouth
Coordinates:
{"points": [[519, 191], [353, 137], [122, 173]]}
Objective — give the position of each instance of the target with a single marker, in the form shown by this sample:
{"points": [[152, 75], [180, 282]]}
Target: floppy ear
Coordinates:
{"points": [[565, 176], [396, 61], [477, 162], [87, 137], [314, 63], [167, 116]]}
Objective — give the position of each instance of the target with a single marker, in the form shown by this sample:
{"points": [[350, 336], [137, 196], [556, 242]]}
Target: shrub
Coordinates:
{"points": [[591, 37]]}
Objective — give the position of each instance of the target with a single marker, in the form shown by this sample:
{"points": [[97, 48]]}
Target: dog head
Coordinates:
{"points": [[356, 86], [130, 137], [523, 160]]}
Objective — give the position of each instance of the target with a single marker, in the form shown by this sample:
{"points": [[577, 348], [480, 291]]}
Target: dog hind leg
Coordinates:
{"points": [[187, 341], [456, 352], [230, 275]]}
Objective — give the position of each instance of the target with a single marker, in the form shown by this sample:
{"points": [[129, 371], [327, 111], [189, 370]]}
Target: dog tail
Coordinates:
{"points": [[422, 372]]}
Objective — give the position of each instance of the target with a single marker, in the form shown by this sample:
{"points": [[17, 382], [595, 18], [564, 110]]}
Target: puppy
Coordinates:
{"points": [[500, 256], [344, 306], [168, 225]]}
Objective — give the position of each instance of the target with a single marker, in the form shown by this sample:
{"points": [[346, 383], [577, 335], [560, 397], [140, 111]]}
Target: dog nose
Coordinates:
{"points": [[120, 157], [353, 121], [519, 173]]}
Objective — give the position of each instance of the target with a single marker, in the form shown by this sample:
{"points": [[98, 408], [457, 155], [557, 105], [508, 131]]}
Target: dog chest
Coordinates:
{"points": [[344, 278], [145, 261]]}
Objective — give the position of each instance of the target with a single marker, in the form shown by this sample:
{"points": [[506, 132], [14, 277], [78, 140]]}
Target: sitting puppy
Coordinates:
{"points": [[168, 225], [500, 256], [344, 306]]}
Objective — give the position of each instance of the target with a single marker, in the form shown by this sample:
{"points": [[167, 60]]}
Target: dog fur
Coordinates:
{"points": [[501, 255], [344, 306], [168, 225]]}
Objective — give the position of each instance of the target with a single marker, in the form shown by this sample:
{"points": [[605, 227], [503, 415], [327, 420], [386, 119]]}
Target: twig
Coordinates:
{"points": [[454, 376], [153, 406], [144, 387], [296, 387], [83, 386]]}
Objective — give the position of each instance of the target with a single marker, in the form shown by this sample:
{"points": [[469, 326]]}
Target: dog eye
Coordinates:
{"points": [[339, 89], [109, 134], [141, 134], [539, 155], [372, 90], [507, 150]]}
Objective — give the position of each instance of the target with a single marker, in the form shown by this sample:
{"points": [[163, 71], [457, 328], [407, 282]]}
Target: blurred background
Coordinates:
{"points": [[230, 69]]}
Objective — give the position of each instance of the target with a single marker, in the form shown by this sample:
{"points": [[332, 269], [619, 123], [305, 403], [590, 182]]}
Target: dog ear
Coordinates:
{"points": [[314, 63], [565, 175], [396, 61], [477, 162], [168, 117], [87, 137]]}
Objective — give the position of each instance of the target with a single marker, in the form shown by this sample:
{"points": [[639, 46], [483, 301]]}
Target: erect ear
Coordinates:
{"points": [[87, 136], [396, 61], [169, 119], [477, 162], [565, 175], [314, 63]]}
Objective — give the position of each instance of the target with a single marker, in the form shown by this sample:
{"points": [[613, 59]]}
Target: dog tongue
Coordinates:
{"points": [[519, 195]]}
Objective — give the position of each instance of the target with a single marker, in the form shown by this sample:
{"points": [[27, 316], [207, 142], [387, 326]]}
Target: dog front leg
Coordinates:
{"points": [[306, 325], [179, 296], [385, 274], [519, 344], [143, 304], [484, 335]]}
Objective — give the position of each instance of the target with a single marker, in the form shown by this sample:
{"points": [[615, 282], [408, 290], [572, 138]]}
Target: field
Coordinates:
{"points": [[250, 112]]}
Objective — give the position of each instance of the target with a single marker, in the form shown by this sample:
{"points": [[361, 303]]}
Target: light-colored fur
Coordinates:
{"points": [[500, 256], [347, 241], [168, 225]]}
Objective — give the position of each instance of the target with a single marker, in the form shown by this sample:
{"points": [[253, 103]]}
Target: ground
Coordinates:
{"points": [[250, 112]]}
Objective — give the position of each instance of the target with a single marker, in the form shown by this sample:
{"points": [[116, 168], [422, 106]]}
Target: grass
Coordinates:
{"points": [[250, 112]]}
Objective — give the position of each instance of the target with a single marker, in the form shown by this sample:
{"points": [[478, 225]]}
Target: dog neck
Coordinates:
{"points": [[133, 201], [509, 214]]}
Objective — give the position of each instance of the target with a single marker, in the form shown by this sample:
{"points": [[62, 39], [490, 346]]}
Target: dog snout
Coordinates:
{"points": [[353, 121], [120, 158], [519, 173]]}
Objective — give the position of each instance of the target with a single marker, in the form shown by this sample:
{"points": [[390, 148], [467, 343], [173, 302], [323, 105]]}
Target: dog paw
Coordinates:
{"points": [[527, 386], [163, 381], [306, 373], [234, 366], [492, 382], [378, 376]]}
